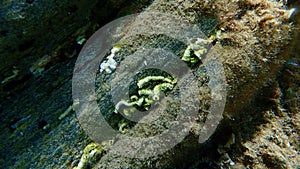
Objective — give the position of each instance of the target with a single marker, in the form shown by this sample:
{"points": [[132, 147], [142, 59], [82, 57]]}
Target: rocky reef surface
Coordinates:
{"points": [[41, 39]]}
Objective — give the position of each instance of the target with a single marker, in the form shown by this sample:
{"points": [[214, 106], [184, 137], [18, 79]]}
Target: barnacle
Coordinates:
{"points": [[110, 64]]}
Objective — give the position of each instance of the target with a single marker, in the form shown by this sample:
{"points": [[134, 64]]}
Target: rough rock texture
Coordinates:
{"points": [[266, 132], [35, 35], [253, 48], [38, 45]]}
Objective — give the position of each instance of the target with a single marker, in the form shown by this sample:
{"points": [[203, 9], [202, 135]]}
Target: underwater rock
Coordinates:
{"points": [[34, 31], [263, 137], [39, 41], [253, 45]]}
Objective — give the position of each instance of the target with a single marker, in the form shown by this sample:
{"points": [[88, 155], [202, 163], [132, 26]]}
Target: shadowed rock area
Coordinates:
{"points": [[40, 41]]}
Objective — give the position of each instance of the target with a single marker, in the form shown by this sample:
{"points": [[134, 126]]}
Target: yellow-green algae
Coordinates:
{"points": [[146, 96]]}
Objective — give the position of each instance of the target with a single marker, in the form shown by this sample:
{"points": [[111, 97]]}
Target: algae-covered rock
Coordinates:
{"points": [[260, 127], [252, 47], [39, 40]]}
